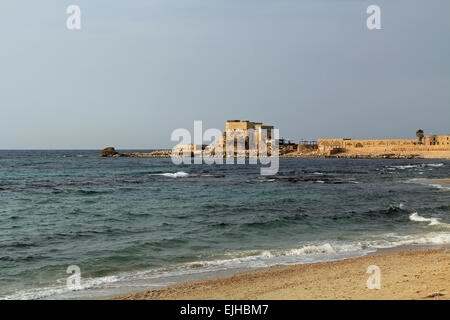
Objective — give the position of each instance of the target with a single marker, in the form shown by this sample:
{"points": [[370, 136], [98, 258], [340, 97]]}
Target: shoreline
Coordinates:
{"points": [[445, 155], [406, 273], [301, 156], [442, 180]]}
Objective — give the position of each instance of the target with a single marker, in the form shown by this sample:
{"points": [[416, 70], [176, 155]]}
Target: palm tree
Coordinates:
{"points": [[420, 135]]}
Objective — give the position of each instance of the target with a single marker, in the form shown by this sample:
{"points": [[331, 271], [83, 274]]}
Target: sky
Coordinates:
{"points": [[139, 69]]}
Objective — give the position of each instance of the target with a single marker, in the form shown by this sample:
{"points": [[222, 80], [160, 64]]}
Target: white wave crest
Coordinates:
{"points": [[436, 165], [429, 182], [325, 248], [179, 174], [439, 186], [412, 166], [417, 218], [42, 293], [313, 252]]}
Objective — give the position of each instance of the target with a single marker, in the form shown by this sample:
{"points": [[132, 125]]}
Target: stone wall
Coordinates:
{"points": [[437, 140], [439, 143], [306, 147]]}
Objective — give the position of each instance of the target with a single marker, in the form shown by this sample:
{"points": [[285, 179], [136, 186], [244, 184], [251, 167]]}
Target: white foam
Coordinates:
{"points": [[432, 221], [433, 238], [439, 186], [412, 166], [400, 206], [429, 183], [311, 252], [179, 174], [325, 248], [435, 165], [41, 293], [241, 259]]}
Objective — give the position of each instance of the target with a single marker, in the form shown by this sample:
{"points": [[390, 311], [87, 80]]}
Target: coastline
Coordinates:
{"points": [[305, 210], [405, 275], [111, 152], [442, 180]]}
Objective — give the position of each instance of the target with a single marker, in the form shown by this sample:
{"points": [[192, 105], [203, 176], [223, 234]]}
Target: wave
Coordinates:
{"points": [[229, 260], [308, 253], [429, 182], [42, 293], [179, 174], [75, 156], [412, 166], [313, 252], [392, 211], [182, 174], [432, 221], [439, 186], [436, 165], [325, 248]]}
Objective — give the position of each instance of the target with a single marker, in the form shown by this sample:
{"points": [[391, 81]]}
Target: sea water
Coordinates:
{"points": [[135, 224]]}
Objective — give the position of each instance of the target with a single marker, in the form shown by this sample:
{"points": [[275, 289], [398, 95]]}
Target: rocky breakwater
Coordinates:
{"points": [[111, 152]]}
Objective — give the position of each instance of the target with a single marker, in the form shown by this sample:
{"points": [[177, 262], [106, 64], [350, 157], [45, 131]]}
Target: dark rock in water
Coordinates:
{"points": [[307, 179], [108, 152], [111, 152]]}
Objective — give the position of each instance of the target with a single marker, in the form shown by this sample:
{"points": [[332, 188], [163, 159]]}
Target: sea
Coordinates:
{"points": [[77, 226]]}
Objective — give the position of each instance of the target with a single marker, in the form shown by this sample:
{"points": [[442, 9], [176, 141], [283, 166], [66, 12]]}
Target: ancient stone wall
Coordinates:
{"points": [[441, 143], [437, 140]]}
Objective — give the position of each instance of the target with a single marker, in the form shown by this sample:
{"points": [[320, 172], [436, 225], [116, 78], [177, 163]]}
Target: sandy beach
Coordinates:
{"points": [[407, 275], [442, 180]]}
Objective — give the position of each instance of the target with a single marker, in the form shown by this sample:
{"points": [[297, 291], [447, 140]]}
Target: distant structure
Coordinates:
{"points": [[437, 140], [255, 138], [245, 125], [286, 146], [429, 143], [240, 130], [191, 149], [305, 146], [236, 130]]}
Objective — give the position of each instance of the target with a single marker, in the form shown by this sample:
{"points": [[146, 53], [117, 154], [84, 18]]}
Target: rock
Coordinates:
{"points": [[108, 152], [435, 295], [111, 152]]}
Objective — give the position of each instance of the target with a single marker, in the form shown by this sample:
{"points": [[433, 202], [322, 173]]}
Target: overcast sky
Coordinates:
{"points": [[138, 69]]}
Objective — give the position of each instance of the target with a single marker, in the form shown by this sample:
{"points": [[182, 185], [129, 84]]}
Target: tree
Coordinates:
{"points": [[420, 135]]}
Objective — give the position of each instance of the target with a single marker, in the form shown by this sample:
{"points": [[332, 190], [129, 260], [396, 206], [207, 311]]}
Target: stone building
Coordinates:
{"points": [[325, 144], [240, 131], [430, 143], [437, 140], [245, 125]]}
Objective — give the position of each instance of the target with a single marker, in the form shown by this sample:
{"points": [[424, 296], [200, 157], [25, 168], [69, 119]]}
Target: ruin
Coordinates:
{"points": [[253, 139], [429, 143]]}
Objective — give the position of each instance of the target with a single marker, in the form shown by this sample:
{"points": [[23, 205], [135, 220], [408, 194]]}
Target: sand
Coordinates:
{"points": [[404, 275], [442, 180]]}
